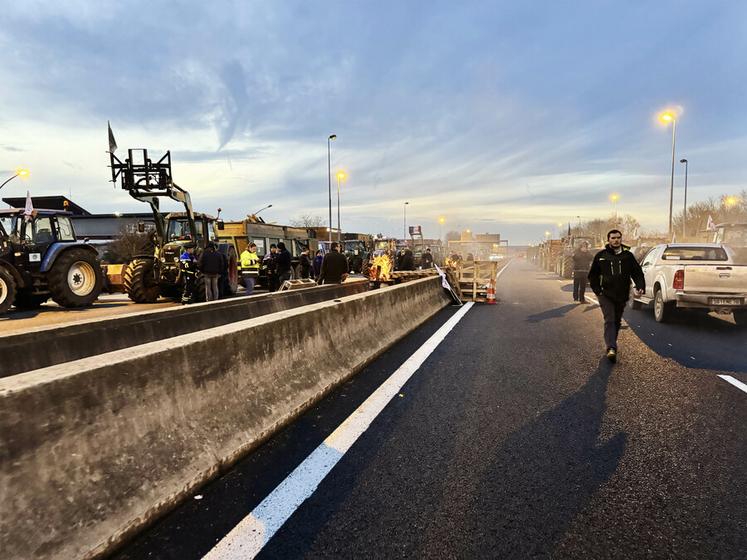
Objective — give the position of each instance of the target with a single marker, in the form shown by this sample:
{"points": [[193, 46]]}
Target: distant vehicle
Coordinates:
{"points": [[735, 236], [40, 258], [700, 276]]}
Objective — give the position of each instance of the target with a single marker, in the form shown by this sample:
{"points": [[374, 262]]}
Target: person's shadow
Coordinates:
{"points": [[542, 476], [551, 313]]}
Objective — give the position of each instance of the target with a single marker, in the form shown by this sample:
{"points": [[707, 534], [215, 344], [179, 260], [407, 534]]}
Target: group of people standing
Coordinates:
{"points": [[213, 266]]}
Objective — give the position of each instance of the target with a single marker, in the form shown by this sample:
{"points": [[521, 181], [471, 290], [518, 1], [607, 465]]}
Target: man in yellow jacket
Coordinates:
{"points": [[249, 267]]}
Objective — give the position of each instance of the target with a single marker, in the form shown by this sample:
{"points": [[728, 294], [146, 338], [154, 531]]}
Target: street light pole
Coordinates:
{"points": [[22, 173], [404, 226], [671, 182], [329, 181], [684, 206], [340, 177], [261, 209]]}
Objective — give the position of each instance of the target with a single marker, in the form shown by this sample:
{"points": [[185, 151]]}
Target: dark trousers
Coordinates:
{"points": [[613, 312], [579, 286]]}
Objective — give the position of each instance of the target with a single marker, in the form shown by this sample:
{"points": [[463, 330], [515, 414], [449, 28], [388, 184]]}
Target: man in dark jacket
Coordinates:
{"points": [[610, 275], [304, 263], [211, 266], [426, 261], [283, 263], [408, 260], [581, 263], [334, 267]]}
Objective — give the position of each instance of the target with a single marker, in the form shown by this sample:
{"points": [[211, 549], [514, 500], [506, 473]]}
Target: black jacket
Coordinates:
{"points": [[582, 261], [407, 262], [611, 273], [283, 261], [426, 260], [211, 262], [334, 266]]}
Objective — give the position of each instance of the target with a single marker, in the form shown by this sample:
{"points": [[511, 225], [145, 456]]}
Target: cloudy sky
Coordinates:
{"points": [[502, 117]]}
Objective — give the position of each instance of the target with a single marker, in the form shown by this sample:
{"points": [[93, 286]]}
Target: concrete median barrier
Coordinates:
{"points": [[96, 448], [64, 343]]}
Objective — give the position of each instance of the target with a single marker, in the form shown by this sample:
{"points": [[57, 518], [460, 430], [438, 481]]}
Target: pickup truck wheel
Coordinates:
{"points": [[663, 310], [740, 317], [7, 290], [76, 278]]}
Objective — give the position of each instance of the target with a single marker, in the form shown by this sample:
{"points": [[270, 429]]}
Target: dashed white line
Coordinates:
{"points": [[738, 384], [253, 532]]}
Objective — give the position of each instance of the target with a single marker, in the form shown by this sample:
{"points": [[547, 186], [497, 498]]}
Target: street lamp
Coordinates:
{"points": [[441, 222], [614, 197], [329, 181], [21, 172], [261, 209], [404, 226], [670, 117], [340, 177], [684, 206]]}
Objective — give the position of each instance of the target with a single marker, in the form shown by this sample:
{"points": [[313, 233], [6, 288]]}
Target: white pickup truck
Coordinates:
{"points": [[694, 276]]}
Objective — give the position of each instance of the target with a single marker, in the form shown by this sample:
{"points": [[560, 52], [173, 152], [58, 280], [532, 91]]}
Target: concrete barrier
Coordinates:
{"points": [[95, 449], [22, 351]]}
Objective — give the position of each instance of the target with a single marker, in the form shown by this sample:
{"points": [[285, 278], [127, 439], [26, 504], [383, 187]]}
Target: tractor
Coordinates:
{"points": [[150, 276], [40, 258], [734, 235]]}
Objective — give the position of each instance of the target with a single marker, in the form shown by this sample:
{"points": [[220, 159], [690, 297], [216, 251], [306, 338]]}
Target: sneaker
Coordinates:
{"points": [[612, 355]]}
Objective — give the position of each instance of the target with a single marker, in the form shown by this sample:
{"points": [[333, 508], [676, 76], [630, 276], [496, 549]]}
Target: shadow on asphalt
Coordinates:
{"points": [[31, 313], [544, 475], [551, 314]]}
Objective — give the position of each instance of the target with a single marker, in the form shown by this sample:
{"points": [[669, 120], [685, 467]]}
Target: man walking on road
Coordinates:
{"points": [[581, 263], [610, 275]]}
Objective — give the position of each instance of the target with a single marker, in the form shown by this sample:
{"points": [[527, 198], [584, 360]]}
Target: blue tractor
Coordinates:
{"points": [[41, 259]]}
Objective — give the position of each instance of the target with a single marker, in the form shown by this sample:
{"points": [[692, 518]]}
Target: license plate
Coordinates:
{"points": [[725, 301]]}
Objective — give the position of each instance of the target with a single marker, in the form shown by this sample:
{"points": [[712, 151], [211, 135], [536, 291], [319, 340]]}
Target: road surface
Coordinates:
{"points": [[515, 438]]}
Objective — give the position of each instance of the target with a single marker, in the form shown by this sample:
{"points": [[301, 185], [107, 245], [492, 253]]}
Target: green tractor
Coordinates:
{"points": [[150, 276]]}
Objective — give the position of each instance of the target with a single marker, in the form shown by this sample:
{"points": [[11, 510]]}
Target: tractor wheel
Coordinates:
{"points": [[139, 281], [25, 300], [233, 271], [75, 279], [198, 292], [7, 290]]}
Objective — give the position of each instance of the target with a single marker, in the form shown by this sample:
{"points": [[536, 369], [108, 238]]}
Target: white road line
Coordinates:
{"points": [[738, 384], [253, 532]]}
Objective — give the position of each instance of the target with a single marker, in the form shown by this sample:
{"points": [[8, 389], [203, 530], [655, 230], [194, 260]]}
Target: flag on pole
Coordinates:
{"points": [[112, 141], [710, 226], [28, 211]]}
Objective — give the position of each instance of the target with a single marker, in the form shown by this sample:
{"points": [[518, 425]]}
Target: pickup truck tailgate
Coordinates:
{"points": [[716, 278]]}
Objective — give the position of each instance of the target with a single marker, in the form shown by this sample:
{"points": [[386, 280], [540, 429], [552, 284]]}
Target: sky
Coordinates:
{"points": [[500, 117]]}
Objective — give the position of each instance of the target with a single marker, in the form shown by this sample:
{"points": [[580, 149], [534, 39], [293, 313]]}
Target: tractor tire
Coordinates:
{"points": [[233, 271], [76, 278], [139, 283], [25, 300], [7, 290], [198, 293]]}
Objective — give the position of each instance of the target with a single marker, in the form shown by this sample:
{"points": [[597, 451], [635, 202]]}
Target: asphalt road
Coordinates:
{"points": [[515, 439]]}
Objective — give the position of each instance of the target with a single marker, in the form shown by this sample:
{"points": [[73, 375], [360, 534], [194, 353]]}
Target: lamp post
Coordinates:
{"points": [[261, 209], [684, 206], [340, 177], [404, 223], [614, 197], [20, 172], [329, 181], [669, 117]]}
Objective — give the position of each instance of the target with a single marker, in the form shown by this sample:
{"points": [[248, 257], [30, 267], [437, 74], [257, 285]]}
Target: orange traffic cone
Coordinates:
{"points": [[491, 293]]}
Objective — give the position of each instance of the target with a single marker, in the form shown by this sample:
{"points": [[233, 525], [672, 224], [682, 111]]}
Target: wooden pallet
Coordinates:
{"points": [[474, 277]]}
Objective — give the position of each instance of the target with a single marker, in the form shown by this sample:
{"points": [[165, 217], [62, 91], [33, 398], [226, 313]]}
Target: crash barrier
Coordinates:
{"points": [[95, 449], [23, 351]]}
